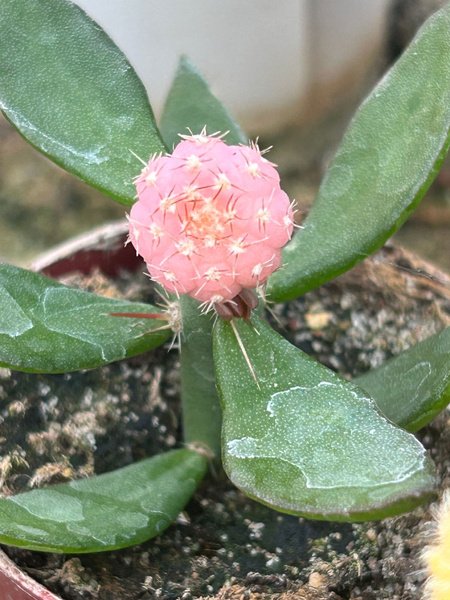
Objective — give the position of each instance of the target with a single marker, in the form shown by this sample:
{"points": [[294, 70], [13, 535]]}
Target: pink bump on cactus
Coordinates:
{"points": [[210, 219]]}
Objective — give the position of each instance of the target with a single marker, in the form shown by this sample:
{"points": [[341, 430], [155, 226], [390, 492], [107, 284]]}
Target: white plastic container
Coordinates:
{"points": [[265, 60]]}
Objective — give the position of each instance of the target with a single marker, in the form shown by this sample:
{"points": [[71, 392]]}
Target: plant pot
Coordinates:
{"points": [[225, 545], [102, 248], [17, 585]]}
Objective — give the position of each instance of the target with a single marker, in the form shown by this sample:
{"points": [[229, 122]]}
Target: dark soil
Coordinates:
{"points": [[59, 427]]}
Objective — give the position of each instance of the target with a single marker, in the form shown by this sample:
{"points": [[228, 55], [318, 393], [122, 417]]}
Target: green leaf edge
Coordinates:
{"points": [[222, 121], [155, 340], [418, 416], [126, 201], [195, 460], [280, 287], [395, 508]]}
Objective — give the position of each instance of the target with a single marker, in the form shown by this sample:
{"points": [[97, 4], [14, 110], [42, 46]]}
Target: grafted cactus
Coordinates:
{"points": [[211, 219]]}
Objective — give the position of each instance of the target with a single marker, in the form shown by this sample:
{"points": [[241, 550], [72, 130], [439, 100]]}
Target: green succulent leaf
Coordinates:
{"points": [[387, 160], [47, 327], [306, 441], [114, 510], [413, 387], [202, 413], [190, 105], [73, 95]]}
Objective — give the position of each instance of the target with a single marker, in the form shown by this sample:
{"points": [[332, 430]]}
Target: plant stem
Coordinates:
{"points": [[202, 413]]}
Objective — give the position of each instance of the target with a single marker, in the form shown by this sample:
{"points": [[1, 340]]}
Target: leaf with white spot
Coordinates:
{"points": [[72, 93], [47, 327], [306, 441], [413, 387], [111, 511]]}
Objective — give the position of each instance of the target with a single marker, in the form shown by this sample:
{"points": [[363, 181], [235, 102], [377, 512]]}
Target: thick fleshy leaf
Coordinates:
{"points": [[306, 441], [47, 327], [413, 387], [388, 158], [73, 94], [190, 105], [114, 510], [202, 413]]}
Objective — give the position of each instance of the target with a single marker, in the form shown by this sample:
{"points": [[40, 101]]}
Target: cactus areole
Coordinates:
{"points": [[211, 219]]}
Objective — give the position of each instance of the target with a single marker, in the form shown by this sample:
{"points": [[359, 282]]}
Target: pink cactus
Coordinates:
{"points": [[211, 218]]}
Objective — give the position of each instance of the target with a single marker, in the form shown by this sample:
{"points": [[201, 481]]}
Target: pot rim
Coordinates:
{"points": [[104, 247], [15, 584]]}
